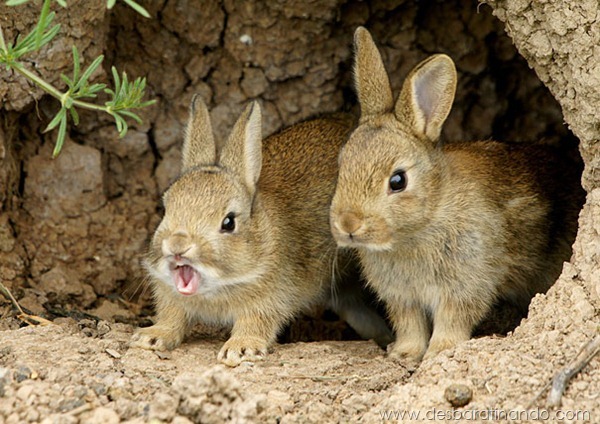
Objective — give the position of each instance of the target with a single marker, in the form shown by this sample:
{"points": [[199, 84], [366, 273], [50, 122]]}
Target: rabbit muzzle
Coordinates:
{"points": [[177, 244], [347, 228], [177, 250]]}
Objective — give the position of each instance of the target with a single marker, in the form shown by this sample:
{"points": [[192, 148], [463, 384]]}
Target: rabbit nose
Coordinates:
{"points": [[349, 223], [178, 244]]}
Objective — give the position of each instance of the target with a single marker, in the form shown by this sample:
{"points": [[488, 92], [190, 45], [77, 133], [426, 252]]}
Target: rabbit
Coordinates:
{"points": [[245, 238], [445, 231]]}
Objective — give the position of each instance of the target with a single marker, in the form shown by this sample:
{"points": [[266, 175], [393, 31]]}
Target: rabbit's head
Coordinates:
{"points": [[207, 240], [390, 176]]}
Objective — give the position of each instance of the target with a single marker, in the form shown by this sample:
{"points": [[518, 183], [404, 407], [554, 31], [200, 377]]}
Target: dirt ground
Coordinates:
{"points": [[84, 372], [72, 229]]}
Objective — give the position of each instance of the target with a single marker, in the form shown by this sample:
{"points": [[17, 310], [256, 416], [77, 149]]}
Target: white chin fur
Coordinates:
{"points": [[210, 282], [383, 247], [373, 247]]}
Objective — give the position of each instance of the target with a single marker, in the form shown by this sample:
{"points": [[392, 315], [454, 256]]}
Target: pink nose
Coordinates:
{"points": [[349, 223]]}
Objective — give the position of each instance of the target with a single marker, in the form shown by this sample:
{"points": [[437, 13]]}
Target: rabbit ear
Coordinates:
{"points": [[242, 153], [370, 77], [427, 95], [199, 143]]}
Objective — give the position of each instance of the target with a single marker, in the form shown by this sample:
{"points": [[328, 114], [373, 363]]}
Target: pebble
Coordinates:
{"points": [[70, 404], [181, 420], [84, 350], [99, 388], [162, 355], [458, 395], [24, 392], [163, 407], [103, 328], [101, 415], [22, 373], [60, 419], [5, 351], [4, 380], [113, 353]]}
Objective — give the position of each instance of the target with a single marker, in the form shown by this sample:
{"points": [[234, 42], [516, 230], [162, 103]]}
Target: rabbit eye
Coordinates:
{"points": [[398, 181], [228, 224]]}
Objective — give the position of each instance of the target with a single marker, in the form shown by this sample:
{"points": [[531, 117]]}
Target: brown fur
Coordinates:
{"points": [[476, 222], [279, 259]]}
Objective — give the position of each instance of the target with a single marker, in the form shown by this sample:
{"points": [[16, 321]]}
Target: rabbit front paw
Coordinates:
{"points": [[406, 350], [156, 337], [239, 349], [438, 345]]}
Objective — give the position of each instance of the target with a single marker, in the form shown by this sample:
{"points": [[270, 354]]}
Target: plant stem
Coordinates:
{"points": [[54, 92]]}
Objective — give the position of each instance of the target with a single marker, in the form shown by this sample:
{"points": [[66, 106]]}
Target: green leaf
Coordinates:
{"points": [[89, 71], [117, 80], [46, 38], [74, 115], [16, 2], [2, 42], [146, 103], [66, 80], [28, 43], [110, 4], [90, 90], [42, 24], [124, 86], [138, 8], [121, 125], [76, 68], [56, 120], [63, 3], [132, 115], [60, 138]]}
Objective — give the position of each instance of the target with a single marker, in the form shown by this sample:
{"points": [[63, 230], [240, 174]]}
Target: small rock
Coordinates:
{"points": [[13, 418], [32, 416], [24, 392], [4, 377], [99, 388], [69, 404], [83, 350], [5, 351], [88, 327], [113, 353], [60, 419], [458, 395], [163, 407], [101, 415], [120, 389], [280, 400], [126, 408], [103, 328], [22, 373], [162, 355], [180, 420]]}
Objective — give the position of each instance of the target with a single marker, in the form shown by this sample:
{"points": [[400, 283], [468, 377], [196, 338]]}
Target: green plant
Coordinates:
{"points": [[125, 96], [109, 5]]}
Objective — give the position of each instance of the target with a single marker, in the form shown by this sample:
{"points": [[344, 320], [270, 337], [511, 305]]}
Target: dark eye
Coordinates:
{"points": [[398, 181], [228, 224]]}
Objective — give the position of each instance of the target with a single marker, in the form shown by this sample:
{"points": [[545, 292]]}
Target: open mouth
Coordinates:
{"points": [[187, 279]]}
